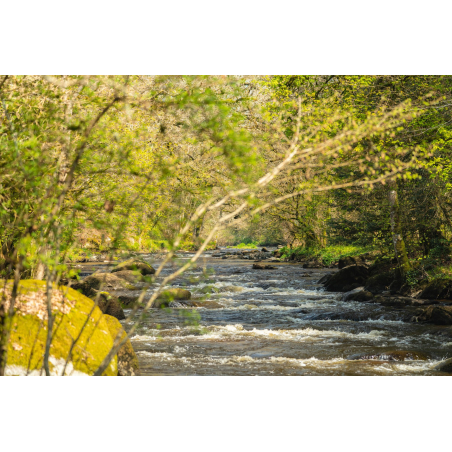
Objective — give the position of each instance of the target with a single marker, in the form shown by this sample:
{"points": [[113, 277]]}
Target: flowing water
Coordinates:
{"points": [[278, 322]]}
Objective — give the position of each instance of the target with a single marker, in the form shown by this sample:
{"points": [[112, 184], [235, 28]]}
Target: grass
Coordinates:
{"points": [[329, 254], [245, 245]]}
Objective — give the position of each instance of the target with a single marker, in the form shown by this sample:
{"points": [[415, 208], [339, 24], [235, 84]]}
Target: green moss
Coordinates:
{"points": [[28, 336], [127, 359]]}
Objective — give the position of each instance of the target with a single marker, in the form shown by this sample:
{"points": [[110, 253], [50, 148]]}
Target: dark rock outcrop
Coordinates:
{"points": [[344, 279], [438, 289], [438, 315], [325, 278], [380, 282]]}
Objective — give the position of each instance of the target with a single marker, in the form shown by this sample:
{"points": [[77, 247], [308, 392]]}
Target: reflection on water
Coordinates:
{"points": [[280, 322]]}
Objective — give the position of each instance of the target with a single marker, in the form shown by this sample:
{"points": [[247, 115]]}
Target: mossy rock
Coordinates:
{"points": [[106, 281], [26, 345], [438, 289], [127, 359], [135, 264], [167, 296]]}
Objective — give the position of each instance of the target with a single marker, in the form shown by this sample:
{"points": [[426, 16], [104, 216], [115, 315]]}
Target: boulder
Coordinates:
{"points": [[107, 281], [128, 299], [362, 295], [398, 355], [325, 278], [135, 264], [438, 315], [167, 296], [445, 366], [263, 267], [76, 316], [265, 250], [438, 289], [109, 304], [346, 277], [131, 276], [127, 359], [380, 282]]}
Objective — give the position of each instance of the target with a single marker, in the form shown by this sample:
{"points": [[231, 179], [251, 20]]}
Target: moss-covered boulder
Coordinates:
{"points": [[127, 359], [135, 264], [347, 278], [167, 296], [105, 281], [80, 339], [438, 289]]}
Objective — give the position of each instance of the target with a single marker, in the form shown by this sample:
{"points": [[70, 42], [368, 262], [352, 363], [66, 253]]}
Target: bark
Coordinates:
{"points": [[397, 238]]}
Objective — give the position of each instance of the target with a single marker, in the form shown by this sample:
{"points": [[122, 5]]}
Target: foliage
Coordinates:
{"points": [[327, 255]]}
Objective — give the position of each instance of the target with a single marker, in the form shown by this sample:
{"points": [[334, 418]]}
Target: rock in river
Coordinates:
{"points": [[263, 267], [167, 296], [346, 278], [439, 315], [135, 264], [102, 281], [438, 289]]}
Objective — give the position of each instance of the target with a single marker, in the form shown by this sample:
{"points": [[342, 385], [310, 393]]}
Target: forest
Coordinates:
{"points": [[123, 194]]}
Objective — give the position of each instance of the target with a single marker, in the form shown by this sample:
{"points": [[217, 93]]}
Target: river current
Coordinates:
{"points": [[277, 322]]}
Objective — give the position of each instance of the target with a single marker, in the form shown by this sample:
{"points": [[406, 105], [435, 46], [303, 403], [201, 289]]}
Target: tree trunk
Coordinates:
{"points": [[397, 238]]}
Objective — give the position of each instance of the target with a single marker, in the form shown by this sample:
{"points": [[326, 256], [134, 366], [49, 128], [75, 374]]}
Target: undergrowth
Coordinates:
{"points": [[328, 255]]}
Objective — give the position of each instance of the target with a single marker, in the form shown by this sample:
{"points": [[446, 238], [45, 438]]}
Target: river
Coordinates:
{"points": [[277, 322]]}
